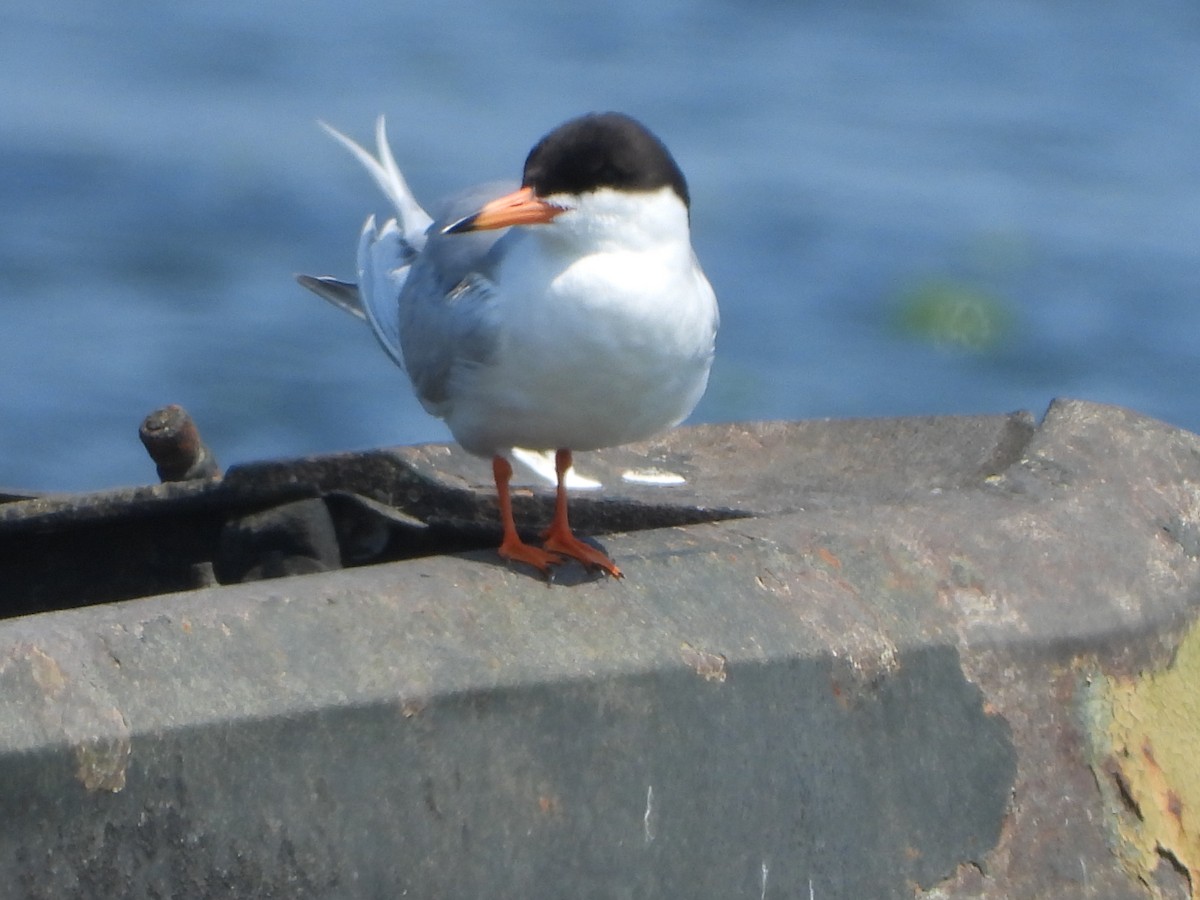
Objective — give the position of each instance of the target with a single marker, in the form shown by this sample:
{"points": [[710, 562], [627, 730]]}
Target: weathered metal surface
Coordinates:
{"points": [[877, 681], [70, 550], [173, 442]]}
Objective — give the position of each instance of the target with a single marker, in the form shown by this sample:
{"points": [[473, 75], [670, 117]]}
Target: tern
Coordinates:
{"points": [[569, 313]]}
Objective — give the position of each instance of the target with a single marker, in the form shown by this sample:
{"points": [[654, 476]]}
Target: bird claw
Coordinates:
{"points": [[570, 546], [556, 552], [542, 560]]}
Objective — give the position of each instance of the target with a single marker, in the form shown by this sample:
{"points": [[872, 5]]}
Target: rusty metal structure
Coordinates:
{"points": [[944, 657]]}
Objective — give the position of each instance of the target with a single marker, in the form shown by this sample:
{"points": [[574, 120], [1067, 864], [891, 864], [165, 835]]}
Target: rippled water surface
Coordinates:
{"points": [[905, 208]]}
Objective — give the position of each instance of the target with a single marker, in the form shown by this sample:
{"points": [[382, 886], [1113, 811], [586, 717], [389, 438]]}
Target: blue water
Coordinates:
{"points": [[162, 178]]}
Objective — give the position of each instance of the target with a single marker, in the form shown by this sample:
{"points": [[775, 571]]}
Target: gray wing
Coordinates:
{"points": [[384, 254], [427, 307], [383, 269], [426, 295], [447, 316]]}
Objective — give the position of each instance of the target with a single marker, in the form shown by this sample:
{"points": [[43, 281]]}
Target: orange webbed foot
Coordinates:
{"points": [[542, 560], [565, 544], [559, 538], [560, 544]]}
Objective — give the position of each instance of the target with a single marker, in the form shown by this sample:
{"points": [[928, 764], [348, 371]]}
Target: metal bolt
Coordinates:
{"points": [[173, 442]]}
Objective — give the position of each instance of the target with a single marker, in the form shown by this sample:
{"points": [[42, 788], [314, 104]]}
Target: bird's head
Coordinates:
{"points": [[595, 161]]}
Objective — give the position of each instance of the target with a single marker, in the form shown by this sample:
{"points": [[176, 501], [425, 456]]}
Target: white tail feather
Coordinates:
{"points": [[413, 220]]}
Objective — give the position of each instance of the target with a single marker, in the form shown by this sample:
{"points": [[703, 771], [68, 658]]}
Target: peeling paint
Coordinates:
{"points": [[46, 673], [71, 709], [1147, 731], [101, 763], [711, 666], [648, 816]]}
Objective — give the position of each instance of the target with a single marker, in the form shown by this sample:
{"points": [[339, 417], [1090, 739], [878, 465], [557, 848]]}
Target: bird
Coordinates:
{"points": [[566, 313]]}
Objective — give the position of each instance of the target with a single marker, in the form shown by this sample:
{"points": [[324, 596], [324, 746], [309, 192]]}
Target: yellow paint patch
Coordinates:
{"points": [[1152, 765]]}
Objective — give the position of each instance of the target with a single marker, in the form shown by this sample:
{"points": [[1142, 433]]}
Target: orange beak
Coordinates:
{"points": [[521, 207]]}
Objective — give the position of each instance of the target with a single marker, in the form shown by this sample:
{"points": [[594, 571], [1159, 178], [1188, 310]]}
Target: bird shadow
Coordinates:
{"points": [[570, 573]]}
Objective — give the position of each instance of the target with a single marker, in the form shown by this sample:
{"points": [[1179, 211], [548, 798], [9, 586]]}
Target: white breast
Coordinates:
{"points": [[606, 335]]}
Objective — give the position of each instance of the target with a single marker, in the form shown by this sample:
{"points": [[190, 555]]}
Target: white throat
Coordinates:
{"points": [[612, 220]]}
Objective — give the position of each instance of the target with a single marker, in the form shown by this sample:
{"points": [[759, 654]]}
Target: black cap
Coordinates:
{"points": [[602, 150]]}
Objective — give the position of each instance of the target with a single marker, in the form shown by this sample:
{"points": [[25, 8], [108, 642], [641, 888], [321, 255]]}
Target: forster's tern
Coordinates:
{"points": [[567, 314]]}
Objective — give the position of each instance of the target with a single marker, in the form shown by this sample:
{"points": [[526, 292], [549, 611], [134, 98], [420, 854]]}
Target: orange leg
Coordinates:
{"points": [[558, 537], [512, 547]]}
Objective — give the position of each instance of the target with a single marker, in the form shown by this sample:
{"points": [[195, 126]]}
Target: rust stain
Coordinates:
{"points": [[828, 557], [835, 688]]}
